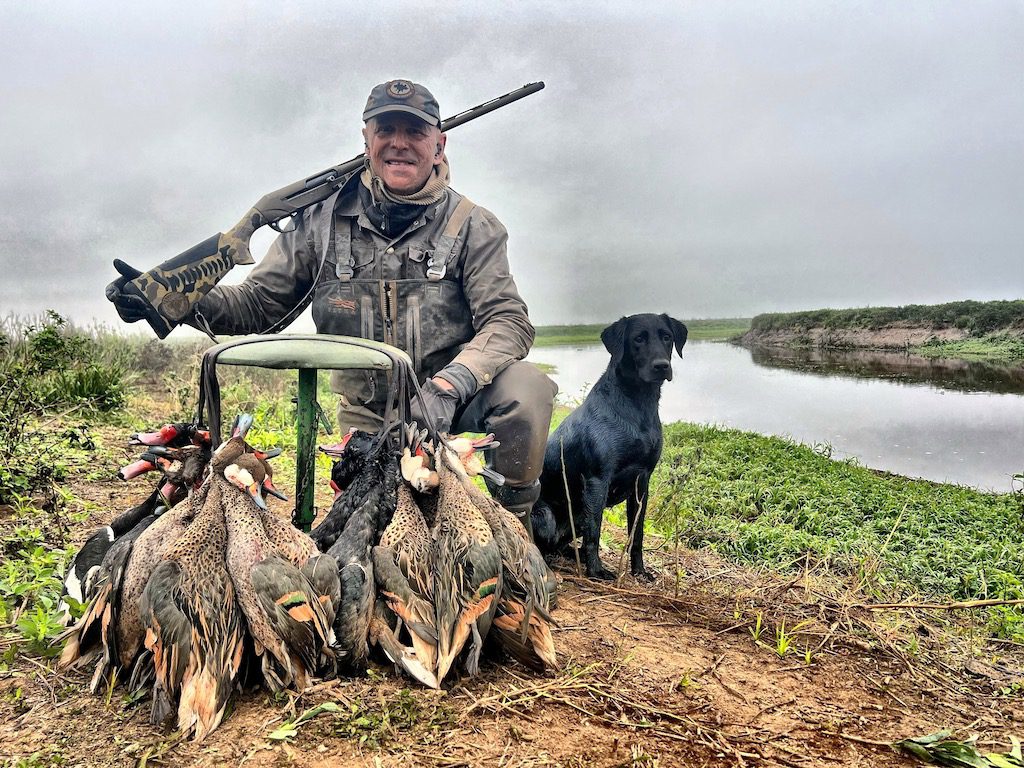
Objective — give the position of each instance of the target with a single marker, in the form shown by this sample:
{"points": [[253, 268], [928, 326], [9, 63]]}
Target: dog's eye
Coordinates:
{"points": [[640, 338]]}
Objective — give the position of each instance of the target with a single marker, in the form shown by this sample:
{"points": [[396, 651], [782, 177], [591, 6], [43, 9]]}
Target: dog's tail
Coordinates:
{"points": [[545, 531]]}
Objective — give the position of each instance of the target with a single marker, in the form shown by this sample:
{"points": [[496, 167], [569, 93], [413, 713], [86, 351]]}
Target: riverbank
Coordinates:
{"points": [[771, 503], [989, 331], [716, 329]]}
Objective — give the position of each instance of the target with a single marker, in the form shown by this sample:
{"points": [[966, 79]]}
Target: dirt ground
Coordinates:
{"points": [[668, 674]]}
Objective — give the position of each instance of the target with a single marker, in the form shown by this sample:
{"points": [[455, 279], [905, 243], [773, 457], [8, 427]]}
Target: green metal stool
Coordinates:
{"points": [[307, 354]]}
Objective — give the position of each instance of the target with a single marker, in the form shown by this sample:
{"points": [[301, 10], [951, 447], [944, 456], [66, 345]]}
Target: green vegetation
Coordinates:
{"points": [[697, 330], [774, 504], [976, 317], [30, 585], [47, 368], [992, 348], [558, 335]]}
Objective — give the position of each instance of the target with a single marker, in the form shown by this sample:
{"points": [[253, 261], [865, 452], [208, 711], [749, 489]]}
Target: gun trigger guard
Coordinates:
{"points": [[288, 226]]}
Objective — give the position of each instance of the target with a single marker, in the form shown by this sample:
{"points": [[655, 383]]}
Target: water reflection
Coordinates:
{"points": [[899, 421], [961, 375]]}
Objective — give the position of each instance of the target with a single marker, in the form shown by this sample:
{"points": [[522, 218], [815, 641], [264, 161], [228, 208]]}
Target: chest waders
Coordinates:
{"points": [[415, 303]]}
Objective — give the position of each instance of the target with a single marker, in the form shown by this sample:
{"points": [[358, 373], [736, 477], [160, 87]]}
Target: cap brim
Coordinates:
{"points": [[429, 119]]}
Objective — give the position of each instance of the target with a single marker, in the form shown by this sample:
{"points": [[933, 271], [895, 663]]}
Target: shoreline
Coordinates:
{"points": [[1004, 346]]}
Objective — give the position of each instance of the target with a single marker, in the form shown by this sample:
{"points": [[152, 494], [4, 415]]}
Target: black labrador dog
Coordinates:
{"points": [[606, 449]]}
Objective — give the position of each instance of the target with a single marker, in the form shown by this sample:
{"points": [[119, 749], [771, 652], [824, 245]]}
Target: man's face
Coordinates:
{"points": [[403, 150]]}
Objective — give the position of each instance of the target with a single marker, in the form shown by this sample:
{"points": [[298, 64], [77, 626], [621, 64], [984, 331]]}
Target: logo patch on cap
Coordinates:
{"points": [[400, 89]]}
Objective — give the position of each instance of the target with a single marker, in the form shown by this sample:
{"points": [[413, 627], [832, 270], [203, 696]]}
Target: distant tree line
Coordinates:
{"points": [[976, 317]]}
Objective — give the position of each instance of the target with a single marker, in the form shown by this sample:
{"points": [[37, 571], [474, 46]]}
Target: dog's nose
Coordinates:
{"points": [[662, 367]]}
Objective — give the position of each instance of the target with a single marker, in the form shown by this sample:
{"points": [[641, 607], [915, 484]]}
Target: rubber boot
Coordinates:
{"points": [[519, 501]]}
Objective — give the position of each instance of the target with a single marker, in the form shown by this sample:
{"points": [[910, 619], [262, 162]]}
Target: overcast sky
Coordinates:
{"points": [[702, 159]]}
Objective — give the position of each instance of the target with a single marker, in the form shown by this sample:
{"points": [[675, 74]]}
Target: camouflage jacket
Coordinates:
{"points": [[473, 314]]}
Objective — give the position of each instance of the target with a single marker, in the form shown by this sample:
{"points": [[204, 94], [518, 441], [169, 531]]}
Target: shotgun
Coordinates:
{"points": [[166, 294]]}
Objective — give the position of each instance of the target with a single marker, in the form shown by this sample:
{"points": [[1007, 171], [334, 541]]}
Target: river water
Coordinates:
{"points": [[949, 421]]}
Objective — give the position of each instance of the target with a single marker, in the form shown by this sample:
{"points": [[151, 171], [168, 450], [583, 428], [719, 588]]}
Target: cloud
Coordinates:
{"points": [[707, 160]]}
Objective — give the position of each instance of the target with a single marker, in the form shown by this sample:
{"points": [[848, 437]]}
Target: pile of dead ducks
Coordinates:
{"points": [[201, 589]]}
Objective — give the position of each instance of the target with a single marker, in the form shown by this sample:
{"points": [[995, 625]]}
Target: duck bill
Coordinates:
{"points": [[140, 467], [270, 488], [273, 453], [254, 493], [242, 424], [487, 441], [334, 451], [162, 436], [495, 477]]}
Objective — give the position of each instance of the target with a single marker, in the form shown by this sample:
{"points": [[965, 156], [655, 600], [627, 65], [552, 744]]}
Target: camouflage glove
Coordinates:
{"points": [[440, 404], [130, 308]]}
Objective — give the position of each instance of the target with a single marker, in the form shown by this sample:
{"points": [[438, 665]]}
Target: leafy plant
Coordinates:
{"points": [[758, 627], [290, 729], [30, 585], [939, 748]]}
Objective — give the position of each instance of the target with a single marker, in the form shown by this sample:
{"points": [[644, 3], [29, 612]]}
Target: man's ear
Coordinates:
{"points": [[678, 333], [614, 339], [442, 140]]}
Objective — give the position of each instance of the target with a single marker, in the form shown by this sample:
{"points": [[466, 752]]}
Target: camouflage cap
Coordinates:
{"points": [[403, 96]]}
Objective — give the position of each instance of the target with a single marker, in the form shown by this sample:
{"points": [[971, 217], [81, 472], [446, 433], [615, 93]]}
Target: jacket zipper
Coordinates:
{"points": [[389, 311]]}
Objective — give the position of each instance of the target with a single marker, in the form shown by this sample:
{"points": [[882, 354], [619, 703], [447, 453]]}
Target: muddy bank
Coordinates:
{"points": [[891, 338], [901, 365]]}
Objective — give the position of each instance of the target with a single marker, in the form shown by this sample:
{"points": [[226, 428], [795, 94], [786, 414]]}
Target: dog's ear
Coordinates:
{"points": [[614, 339], [678, 333]]}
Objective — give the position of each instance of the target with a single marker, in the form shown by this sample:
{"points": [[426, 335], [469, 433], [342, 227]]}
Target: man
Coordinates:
{"points": [[398, 256]]}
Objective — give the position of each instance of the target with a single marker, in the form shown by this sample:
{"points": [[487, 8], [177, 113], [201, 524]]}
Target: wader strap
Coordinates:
{"points": [[444, 250], [343, 249]]}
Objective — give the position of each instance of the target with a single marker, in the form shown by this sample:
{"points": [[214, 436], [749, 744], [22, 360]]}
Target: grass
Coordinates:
{"points": [[777, 505], [977, 317], [697, 330], [993, 348]]}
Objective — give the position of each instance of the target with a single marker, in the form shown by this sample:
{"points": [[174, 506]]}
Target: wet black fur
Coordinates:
{"points": [[610, 444]]}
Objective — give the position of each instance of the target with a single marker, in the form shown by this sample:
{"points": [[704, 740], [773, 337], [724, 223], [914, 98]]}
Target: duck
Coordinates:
{"points": [[195, 630], [236, 445], [110, 624], [465, 568], [401, 563], [80, 579], [290, 622], [367, 470], [522, 623]]}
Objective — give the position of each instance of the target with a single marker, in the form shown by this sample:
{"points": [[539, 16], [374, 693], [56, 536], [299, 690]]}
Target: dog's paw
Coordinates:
{"points": [[601, 574], [643, 575]]}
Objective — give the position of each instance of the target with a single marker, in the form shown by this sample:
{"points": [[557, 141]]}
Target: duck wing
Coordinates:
{"points": [[207, 600], [168, 636], [295, 612], [524, 634], [410, 606]]}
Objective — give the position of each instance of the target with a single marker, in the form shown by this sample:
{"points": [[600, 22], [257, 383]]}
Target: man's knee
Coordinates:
{"points": [[517, 409]]}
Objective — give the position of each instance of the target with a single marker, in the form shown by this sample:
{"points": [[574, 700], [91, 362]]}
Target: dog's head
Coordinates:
{"points": [[641, 346]]}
